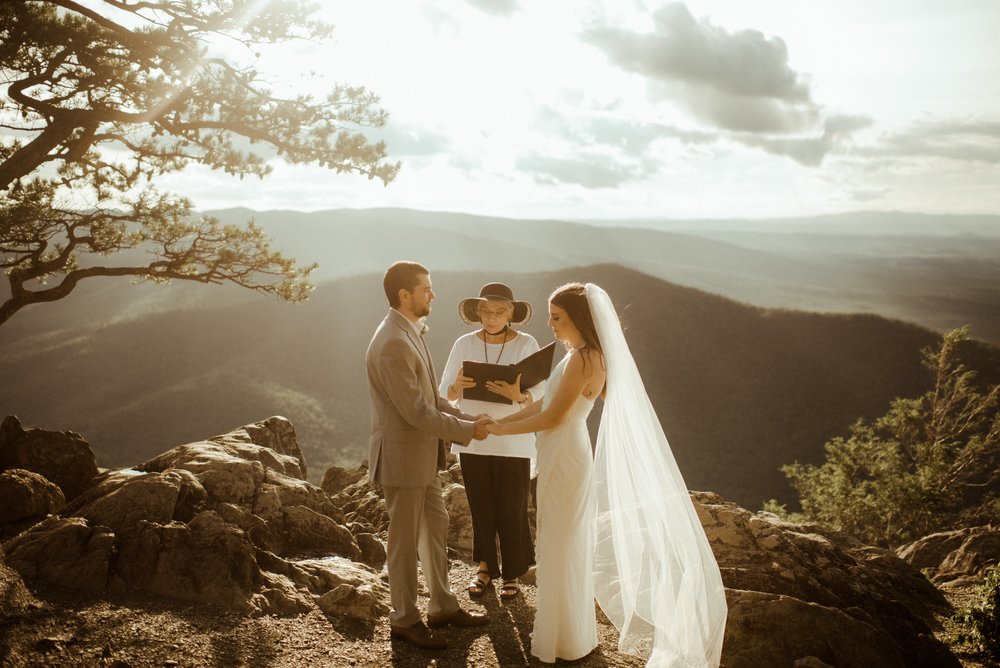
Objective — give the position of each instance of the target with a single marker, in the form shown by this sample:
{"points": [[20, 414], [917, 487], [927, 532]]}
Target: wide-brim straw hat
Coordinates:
{"points": [[493, 292]]}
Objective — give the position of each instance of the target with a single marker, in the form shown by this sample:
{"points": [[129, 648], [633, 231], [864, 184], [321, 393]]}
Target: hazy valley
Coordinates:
{"points": [[740, 389]]}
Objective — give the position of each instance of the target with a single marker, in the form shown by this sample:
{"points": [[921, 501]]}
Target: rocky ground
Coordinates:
{"points": [[126, 567], [51, 626]]}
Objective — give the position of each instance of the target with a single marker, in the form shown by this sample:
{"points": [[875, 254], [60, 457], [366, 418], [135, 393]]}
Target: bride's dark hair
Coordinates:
{"points": [[572, 298]]}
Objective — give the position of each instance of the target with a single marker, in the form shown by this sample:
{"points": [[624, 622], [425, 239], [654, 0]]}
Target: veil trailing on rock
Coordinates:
{"points": [[655, 575]]}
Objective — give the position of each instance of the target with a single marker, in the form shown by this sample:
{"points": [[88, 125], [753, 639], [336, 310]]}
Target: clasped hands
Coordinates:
{"points": [[482, 423]]}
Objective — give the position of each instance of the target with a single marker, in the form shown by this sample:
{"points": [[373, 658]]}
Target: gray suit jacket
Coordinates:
{"points": [[410, 422]]}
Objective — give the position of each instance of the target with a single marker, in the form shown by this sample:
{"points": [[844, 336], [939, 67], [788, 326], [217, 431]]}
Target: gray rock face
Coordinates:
{"points": [[275, 433], [363, 503], [796, 591], [336, 479], [131, 497], [62, 457], [780, 630], [205, 560], [955, 557], [320, 578], [65, 551], [459, 519], [231, 521], [202, 522], [27, 496]]}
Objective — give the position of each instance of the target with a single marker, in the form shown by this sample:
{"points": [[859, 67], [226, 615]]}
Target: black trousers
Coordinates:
{"points": [[497, 488]]}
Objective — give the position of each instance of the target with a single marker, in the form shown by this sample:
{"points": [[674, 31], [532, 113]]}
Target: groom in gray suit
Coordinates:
{"points": [[410, 424]]}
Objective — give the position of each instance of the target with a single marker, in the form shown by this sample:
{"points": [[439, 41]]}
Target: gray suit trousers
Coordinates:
{"points": [[417, 518]]}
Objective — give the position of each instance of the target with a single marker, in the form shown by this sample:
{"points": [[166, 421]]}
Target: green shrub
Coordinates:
{"points": [[980, 624], [929, 464]]}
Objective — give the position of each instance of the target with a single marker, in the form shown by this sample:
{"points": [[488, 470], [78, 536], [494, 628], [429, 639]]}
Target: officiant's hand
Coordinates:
{"points": [[507, 390], [463, 382]]}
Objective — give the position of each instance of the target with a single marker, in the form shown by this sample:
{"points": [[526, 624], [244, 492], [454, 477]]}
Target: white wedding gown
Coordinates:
{"points": [[565, 619]]}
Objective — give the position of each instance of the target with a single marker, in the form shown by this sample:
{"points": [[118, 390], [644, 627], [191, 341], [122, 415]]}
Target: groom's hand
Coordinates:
{"points": [[481, 423]]}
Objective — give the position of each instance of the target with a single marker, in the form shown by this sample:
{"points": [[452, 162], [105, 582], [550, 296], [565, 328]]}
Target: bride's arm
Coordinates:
{"points": [[533, 419], [532, 408]]}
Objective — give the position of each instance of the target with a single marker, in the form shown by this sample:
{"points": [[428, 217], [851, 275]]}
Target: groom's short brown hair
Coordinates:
{"points": [[402, 275]]}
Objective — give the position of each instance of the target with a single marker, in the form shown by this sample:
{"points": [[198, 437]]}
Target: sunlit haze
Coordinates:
{"points": [[618, 109]]}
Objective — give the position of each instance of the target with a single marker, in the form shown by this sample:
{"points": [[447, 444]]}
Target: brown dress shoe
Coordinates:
{"points": [[459, 618], [418, 635]]}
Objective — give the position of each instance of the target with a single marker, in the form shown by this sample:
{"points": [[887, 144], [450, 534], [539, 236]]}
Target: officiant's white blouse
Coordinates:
{"points": [[470, 347]]}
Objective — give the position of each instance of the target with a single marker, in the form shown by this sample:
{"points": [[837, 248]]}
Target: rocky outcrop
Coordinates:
{"points": [[207, 522], [796, 591], [362, 502], [231, 521], [27, 496], [66, 551], [61, 457], [206, 560], [956, 557], [337, 479]]}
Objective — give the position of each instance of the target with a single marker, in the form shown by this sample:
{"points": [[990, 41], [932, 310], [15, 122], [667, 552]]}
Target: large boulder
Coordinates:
{"points": [[336, 479], [364, 503], [131, 497], [261, 490], [225, 474], [304, 529], [206, 560], [191, 523], [777, 630], [62, 457], [340, 587], [274, 435], [955, 557], [66, 551], [27, 496], [796, 590]]}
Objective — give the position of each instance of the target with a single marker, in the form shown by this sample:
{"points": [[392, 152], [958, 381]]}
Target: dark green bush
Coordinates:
{"points": [[980, 623]]}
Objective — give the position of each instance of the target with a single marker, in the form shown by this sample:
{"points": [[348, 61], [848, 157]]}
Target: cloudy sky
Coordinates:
{"points": [[620, 108]]}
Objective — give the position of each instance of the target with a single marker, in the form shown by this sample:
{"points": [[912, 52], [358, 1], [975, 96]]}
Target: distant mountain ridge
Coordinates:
{"points": [[740, 389], [941, 274]]}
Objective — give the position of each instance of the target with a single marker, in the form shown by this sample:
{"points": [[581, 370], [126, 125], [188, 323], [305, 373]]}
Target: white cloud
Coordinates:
{"points": [[592, 171], [496, 7], [963, 140], [739, 82], [809, 151], [733, 80]]}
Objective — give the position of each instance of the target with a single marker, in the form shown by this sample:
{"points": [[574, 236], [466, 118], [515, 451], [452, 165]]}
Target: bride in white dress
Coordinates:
{"points": [[620, 525]]}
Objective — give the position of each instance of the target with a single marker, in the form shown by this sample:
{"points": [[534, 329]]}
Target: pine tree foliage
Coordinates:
{"points": [[931, 463], [103, 97]]}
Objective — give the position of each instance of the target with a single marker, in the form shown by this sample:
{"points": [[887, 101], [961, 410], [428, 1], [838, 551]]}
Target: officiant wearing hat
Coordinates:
{"points": [[497, 469]]}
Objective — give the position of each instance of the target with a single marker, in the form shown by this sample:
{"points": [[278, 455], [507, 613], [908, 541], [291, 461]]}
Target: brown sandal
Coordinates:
{"points": [[510, 589], [478, 586]]}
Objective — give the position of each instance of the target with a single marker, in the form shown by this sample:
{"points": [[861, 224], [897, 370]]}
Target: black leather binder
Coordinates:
{"points": [[533, 369]]}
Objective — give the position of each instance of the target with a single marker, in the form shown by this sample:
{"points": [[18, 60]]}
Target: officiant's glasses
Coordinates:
{"points": [[492, 313]]}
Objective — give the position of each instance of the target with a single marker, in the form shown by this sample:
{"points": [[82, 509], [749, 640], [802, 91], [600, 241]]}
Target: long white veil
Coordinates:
{"points": [[655, 575]]}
